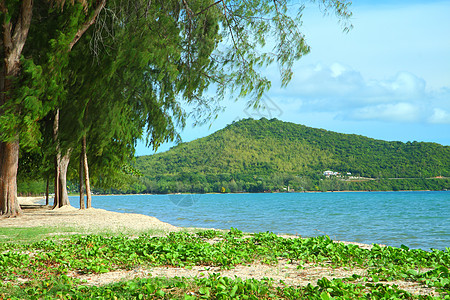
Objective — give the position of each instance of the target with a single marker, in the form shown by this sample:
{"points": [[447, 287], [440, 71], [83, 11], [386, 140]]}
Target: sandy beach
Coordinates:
{"points": [[99, 220], [89, 220]]}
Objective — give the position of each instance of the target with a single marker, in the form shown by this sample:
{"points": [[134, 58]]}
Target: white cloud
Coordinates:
{"points": [[391, 66], [397, 112], [343, 91], [440, 116], [386, 38], [321, 80], [337, 70], [405, 85]]}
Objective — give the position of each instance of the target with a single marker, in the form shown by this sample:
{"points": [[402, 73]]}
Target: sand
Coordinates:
{"points": [[98, 220], [89, 220]]}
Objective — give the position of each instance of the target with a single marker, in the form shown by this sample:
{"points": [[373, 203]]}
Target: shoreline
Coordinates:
{"points": [[271, 192], [97, 220], [38, 200], [92, 220]]}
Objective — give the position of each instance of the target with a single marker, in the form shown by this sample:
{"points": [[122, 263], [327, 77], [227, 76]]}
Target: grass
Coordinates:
{"points": [[28, 235], [24, 235], [39, 268]]}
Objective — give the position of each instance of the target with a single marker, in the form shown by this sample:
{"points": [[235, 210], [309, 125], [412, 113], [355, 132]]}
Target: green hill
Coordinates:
{"points": [[261, 155]]}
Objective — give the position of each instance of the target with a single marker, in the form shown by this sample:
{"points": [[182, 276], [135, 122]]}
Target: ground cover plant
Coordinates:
{"points": [[54, 268], [32, 234]]}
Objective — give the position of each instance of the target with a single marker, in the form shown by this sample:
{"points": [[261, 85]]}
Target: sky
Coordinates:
{"points": [[388, 78]]}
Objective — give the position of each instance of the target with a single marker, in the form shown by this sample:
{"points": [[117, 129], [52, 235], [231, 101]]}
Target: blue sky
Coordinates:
{"points": [[388, 78]]}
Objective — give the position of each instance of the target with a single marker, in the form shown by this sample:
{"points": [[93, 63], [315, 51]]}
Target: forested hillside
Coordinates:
{"points": [[262, 155]]}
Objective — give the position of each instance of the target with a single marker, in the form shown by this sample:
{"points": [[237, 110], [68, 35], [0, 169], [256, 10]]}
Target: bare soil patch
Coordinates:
{"points": [[283, 273]]}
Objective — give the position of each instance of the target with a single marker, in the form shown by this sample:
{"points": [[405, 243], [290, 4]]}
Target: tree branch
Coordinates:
{"points": [[205, 9], [14, 41], [87, 24], [7, 27]]}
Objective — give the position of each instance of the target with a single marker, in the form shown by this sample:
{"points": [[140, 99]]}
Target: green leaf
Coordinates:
{"points": [[406, 248], [325, 296], [234, 290], [204, 291]]}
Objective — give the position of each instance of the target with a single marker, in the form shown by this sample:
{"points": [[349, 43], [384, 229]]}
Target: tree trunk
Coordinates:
{"points": [[83, 157], [61, 165], [81, 179], [9, 161], [86, 174], [13, 39], [63, 195], [47, 190], [56, 183], [57, 158]]}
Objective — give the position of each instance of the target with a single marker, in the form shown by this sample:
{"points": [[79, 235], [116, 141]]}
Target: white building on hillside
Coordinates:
{"points": [[330, 173]]}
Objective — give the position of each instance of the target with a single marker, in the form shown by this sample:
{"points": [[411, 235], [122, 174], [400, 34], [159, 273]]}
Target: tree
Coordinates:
{"points": [[12, 43], [110, 105], [185, 48], [20, 106]]}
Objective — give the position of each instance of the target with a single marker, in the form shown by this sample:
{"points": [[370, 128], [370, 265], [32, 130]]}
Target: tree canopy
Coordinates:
{"points": [[124, 67]]}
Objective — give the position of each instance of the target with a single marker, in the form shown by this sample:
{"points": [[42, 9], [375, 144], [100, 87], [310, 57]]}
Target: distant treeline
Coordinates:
{"points": [[164, 186], [260, 184]]}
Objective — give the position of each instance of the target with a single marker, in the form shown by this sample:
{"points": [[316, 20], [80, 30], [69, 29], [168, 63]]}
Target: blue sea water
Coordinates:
{"points": [[415, 219]]}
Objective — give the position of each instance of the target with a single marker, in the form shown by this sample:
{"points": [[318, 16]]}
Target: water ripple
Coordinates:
{"points": [[416, 219]]}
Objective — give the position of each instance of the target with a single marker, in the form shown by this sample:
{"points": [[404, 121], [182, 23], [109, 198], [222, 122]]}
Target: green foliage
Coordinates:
{"points": [[150, 57], [43, 267], [262, 155], [40, 85]]}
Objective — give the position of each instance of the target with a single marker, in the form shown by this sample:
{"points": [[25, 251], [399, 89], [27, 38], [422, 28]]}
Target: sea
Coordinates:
{"points": [[418, 220]]}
